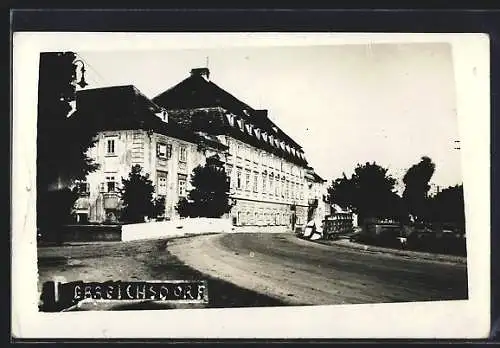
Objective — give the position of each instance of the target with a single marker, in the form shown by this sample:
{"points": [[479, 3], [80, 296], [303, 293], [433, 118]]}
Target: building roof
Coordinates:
{"points": [[197, 91], [122, 108], [210, 140], [318, 178], [313, 176]]}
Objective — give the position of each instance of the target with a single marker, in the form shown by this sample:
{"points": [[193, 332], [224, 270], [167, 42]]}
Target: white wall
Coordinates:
{"points": [[175, 228]]}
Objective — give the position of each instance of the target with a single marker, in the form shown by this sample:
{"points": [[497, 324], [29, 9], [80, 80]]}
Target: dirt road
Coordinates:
{"points": [[136, 261], [300, 272]]}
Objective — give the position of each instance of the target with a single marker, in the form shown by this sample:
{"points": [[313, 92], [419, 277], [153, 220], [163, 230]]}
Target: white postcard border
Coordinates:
{"points": [[443, 319]]}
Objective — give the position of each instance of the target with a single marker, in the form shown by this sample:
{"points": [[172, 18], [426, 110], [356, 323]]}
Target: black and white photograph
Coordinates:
{"points": [[298, 174]]}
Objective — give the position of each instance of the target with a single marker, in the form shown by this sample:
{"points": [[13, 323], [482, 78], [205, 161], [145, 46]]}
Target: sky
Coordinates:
{"points": [[344, 104]]}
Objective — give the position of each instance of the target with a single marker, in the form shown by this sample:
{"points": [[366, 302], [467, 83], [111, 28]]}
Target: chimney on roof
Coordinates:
{"points": [[203, 72], [261, 113]]}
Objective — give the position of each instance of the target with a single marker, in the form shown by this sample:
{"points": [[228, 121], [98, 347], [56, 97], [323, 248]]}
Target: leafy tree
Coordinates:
{"points": [[210, 194], [369, 192], [183, 207], [341, 192], [417, 186], [62, 141], [159, 206], [448, 205], [137, 196], [61, 204]]}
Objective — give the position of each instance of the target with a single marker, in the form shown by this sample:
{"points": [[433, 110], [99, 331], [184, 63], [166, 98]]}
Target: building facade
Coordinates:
{"points": [[267, 168], [168, 161], [139, 135], [317, 190], [169, 135]]}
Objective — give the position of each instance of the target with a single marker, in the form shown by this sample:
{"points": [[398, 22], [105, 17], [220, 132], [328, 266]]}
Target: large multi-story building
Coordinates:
{"points": [[267, 167], [169, 135]]}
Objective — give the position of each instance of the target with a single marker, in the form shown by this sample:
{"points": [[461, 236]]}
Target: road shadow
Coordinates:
{"points": [[158, 264], [222, 294]]}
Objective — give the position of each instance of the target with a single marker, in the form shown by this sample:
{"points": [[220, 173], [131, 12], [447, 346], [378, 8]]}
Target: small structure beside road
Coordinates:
{"points": [[337, 222]]}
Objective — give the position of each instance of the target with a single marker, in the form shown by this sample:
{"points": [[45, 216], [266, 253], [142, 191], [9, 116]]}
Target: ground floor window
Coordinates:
{"points": [[182, 185], [238, 179], [83, 187], [161, 183]]}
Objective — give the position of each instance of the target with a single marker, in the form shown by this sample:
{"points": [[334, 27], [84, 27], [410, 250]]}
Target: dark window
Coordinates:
{"points": [[183, 154], [164, 151], [111, 147], [111, 186], [238, 180]]}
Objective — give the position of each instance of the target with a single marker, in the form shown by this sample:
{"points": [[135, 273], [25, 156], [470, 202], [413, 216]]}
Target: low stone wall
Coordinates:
{"points": [[82, 233], [175, 228], [153, 230]]}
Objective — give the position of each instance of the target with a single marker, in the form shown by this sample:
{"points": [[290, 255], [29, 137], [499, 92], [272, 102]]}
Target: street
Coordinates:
{"points": [[301, 272], [254, 270]]}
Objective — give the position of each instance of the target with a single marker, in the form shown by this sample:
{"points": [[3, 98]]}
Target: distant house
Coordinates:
{"points": [[317, 195]]}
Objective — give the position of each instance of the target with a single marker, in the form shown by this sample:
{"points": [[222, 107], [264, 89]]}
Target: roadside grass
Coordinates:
{"points": [[348, 243]]}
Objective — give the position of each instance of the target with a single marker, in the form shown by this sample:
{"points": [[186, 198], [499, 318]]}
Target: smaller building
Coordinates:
{"points": [[339, 221], [381, 230], [317, 189]]}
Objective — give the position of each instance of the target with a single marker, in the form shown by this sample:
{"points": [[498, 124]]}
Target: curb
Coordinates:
{"points": [[396, 252]]}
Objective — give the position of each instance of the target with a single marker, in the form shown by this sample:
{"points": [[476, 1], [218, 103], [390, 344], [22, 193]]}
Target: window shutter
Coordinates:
{"points": [[102, 187], [169, 150]]}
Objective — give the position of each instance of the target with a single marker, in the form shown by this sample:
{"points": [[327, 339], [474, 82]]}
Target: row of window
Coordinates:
{"points": [[161, 179], [263, 135], [261, 157], [161, 182], [111, 185], [269, 184], [163, 151], [261, 218]]}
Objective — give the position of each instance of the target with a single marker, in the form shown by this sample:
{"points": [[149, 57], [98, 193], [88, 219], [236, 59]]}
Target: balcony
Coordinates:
{"points": [[82, 203], [111, 200]]}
